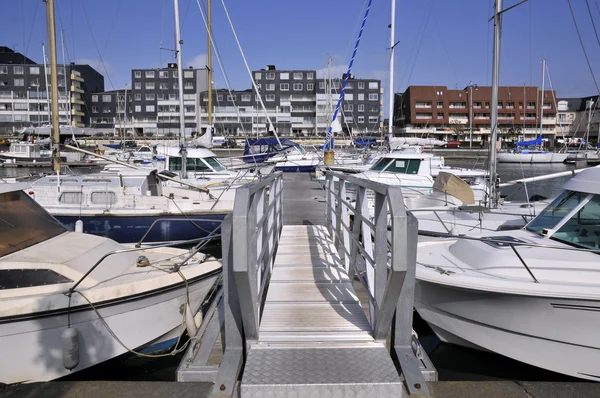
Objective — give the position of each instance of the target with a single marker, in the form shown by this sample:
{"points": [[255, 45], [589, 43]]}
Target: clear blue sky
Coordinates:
{"points": [[442, 42]]}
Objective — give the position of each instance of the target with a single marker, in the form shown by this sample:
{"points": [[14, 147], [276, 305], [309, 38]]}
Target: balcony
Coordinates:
{"points": [[75, 123], [76, 112], [75, 100], [76, 89], [76, 77]]}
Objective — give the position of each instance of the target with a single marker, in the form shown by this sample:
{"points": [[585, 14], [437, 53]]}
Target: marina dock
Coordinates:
{"points": [[305, 328]]}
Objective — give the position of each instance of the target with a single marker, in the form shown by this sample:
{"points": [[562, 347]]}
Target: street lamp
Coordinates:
{"points": [[469, 91]]}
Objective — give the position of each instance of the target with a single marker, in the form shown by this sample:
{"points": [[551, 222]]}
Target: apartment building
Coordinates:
{"points": [[24, 95], [579, 118], [443, 113]]}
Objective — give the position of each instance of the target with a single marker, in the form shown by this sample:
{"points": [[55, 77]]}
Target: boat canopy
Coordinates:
{"points": [[365, 141], [453, 185]]}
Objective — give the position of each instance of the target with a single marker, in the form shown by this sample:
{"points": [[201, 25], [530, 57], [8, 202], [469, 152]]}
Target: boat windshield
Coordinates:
{"points": [[556, 211], [214, 163], [380, 165], [24, 223], [583, 228], [300, 149]]}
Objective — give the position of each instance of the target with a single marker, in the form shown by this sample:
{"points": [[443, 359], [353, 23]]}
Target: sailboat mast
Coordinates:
{"points": [[390, 132], [55, 138], [494, 107], [178, 43], [46, 79], [542, 97], [209, 62]]}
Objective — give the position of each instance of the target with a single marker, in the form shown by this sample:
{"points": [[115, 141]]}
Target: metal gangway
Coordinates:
{"points": [[289, 317]]}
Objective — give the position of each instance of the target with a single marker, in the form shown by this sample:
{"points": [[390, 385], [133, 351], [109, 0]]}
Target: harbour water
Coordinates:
{"points": [[452, 362]]}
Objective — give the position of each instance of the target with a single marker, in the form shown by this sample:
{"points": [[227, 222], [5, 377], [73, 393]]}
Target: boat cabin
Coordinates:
{"points": [[25, 150], [199, 160], [573, 217]]}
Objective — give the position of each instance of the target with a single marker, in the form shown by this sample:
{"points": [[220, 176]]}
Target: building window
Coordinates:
{"points": [[297, 75], [163, 86], [94, 98], [138, 108], [373, 86], [440, 115], [310, 75], [348, 107], [231, 97], [361, 119], [487, 105], [361, 85], [453, 105], [149, 74], [172, 97], [160, 97], [373, 97], [284, 76], [188, 86], [138, 97], [270, 75], [175, 74], [137, 73], [163, 74], [476, 105], [106, 98], [150, 86], [106, 109], [220, 97], [34, 70], [270, 86], [440, 105], [188, 74], [361, 107], [547, 105], [284, 87], [361, 97], [20, 106], [375, 119], [510, 105], [531, 105], [150, 108], [423, 105], [336, 85], [499, 105], [257, 76], [18, 70], [520, 105], [3, 70], [310, 86], [19, 82], [149, 97], [270, 97], [322, 85], [137, 85], [297, 86], [246, 97]]}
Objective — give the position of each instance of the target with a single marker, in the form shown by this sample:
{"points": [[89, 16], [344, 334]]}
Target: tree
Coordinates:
{"points": [[458, 129]]}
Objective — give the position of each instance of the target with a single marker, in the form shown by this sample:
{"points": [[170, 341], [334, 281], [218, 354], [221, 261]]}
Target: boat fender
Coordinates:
{"points": [[142, 261], [190, 324], [70, 348], [454, 231], [79, 226]]}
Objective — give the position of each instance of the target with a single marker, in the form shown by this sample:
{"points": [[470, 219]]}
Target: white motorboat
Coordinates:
{"points": [[532, 295], [71, 300]]}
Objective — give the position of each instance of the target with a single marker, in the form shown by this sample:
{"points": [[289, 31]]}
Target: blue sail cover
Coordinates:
{"points": [[259, 150], [365, 141], [536, 142]]}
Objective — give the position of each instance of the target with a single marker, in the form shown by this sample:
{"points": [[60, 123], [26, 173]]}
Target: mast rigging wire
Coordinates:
{"points": [[583, 47]]}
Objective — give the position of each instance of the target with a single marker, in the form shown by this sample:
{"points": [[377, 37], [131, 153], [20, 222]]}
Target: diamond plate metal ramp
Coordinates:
{"points": [[314, 337], [320, 372]]}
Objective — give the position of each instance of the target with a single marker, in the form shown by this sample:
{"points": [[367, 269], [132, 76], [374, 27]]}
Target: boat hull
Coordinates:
{"points": [[546, 157], [131, 228], [34, 346], [551, 333], [296, 168]]}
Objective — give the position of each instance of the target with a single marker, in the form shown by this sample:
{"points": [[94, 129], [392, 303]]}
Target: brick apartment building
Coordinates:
{"points": [[443, 113]]}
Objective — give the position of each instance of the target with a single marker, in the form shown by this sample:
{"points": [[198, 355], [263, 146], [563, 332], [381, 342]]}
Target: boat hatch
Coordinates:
{"points": [[24, 223], [29, 277], [500, 241]]}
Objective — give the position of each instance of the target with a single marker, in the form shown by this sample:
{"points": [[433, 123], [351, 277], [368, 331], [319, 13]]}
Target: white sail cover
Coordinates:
{"points": [[396, 142], [336, 127], [205, 140]]}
